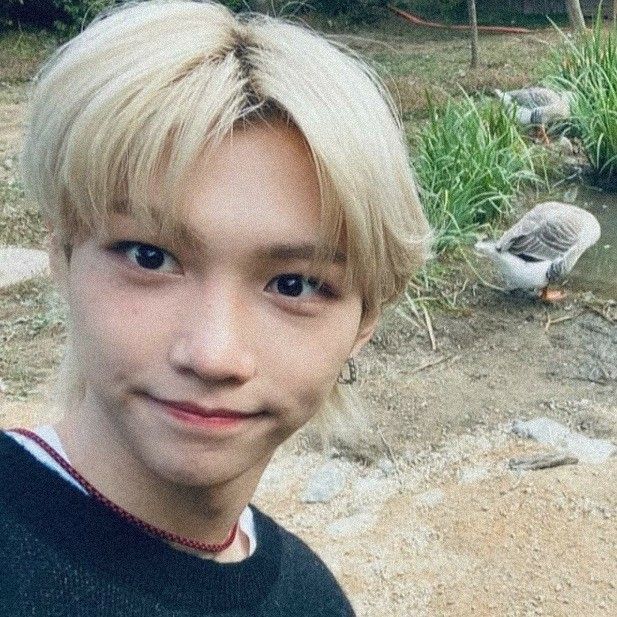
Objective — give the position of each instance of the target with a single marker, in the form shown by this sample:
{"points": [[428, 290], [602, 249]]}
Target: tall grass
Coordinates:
{"points": [[587, 65], [21, 53], [470, 161]]}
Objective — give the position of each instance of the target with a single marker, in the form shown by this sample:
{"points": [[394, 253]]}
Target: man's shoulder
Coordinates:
{"points": [[305, 580], [293, 546]]}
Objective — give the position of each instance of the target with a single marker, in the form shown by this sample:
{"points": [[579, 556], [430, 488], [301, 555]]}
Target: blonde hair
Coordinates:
{"points": [[150, 86]]}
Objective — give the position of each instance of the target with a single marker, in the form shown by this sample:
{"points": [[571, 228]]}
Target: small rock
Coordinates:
{"points": [[565, 146], [352, 525], [327, 482], [19, 264], [550, 432], [472, 474], [387, 466], [368, 486], [430, 498], [570, 194]]}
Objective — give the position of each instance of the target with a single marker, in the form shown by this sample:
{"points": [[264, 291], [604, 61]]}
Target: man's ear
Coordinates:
{"points": [[367, 327], [58, 260]]}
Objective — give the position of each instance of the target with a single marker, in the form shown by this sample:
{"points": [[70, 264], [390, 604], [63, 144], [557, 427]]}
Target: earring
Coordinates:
{"points": [[352, 373]]}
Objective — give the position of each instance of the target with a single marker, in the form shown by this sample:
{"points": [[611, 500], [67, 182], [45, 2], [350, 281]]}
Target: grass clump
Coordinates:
{"points": [[586, 65], [32, 328], [21, 53], [470, 161]]}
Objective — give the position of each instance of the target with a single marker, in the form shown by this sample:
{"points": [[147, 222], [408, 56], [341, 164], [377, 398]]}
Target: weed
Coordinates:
{"points": [[470, 161], [21, 53], [586, 65], [32, 327]]}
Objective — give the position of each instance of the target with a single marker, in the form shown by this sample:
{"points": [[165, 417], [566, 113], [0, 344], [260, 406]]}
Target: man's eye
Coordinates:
{"points": [[298, 286], [146, 256]]}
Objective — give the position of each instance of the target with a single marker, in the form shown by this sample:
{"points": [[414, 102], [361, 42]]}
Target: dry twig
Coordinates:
{"points": [[391, 457], [431, 363], [429, 327], [604, 311], [541, 461], [551, 322], [485, 283]]}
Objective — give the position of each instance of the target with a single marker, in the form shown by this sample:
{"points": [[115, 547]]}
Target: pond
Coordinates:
{"points": [[596, 270]]}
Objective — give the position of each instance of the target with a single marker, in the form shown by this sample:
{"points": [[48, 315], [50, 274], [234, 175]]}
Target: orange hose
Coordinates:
{"points": [[418, 21]]}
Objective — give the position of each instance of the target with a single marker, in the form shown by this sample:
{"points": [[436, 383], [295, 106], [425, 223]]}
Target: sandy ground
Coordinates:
{"points": [[429, 519]]}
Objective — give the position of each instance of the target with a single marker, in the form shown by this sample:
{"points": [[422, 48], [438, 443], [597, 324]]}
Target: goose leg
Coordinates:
{"points": [[552, 295]]}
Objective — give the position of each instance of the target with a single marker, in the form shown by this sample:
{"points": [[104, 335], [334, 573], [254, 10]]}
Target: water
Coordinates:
{"points": [[596, 270]]}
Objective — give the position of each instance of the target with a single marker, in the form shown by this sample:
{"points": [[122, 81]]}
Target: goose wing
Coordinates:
{"points": [[545, 234], [534, 97]]}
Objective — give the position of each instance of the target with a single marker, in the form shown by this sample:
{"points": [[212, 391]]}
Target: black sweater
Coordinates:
{"points": [[64, 554]]}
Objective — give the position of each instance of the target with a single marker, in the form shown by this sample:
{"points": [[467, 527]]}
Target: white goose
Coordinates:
{"points": [[543, 247], [537, 105]]}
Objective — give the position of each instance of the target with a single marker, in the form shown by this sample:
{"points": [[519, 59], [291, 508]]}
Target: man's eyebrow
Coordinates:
{"points": [[296, 251], [280, 251]]}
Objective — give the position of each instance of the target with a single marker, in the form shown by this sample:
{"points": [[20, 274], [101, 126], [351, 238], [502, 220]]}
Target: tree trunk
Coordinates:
{"points": [[473, 32], [575, 14]]}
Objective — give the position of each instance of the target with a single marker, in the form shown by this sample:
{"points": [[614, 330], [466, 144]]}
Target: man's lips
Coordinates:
{"points": [[204, 412]]}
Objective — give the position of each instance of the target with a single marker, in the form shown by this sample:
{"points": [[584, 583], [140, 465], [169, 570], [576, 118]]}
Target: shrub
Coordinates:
{"points": [[70, 16], [587, 66], [355, 11], [65, 16], [470, 161]]}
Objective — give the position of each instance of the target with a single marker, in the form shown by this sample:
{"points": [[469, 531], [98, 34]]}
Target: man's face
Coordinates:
{"points": [[230, 322]]}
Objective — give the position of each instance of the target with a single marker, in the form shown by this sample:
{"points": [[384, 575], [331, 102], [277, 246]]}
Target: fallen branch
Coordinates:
{"points": [[392, 458], [600, 382], [603, 312], [429, 327], [541, 461], [550, 321], [431, 363]]}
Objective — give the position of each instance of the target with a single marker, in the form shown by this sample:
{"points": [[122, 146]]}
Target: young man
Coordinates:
{"points": [[230, 208]]}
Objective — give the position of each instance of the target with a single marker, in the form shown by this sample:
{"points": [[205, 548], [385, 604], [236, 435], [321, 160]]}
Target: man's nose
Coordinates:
{"points": [[214, 341]]}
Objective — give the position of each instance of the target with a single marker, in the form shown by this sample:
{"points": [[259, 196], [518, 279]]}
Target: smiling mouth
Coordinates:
{"points": [[204, 416]]}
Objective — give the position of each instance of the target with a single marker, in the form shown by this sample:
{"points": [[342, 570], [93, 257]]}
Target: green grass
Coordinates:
{"points": [[32, 327], [587, 66], [21, 53], [470, 162]]}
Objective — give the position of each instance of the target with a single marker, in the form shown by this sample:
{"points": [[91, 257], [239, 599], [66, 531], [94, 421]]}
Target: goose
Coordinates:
{"points": [[542, 247], [537, 105]]}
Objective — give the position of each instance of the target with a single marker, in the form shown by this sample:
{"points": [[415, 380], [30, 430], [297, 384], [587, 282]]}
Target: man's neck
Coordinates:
{"points": [[199, 512]]}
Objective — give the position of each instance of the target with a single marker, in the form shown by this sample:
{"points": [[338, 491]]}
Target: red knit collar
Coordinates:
{"points": [[94, 492]]}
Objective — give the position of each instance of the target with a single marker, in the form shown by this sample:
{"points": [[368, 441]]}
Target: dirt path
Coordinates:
{"points": [[438, 524], [429, 519]]}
